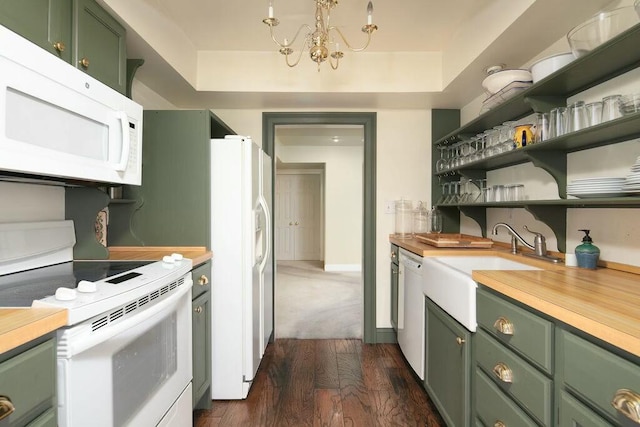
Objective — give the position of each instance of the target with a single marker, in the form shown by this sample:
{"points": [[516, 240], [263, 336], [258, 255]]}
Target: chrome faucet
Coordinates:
{"points": [[539, 246]]}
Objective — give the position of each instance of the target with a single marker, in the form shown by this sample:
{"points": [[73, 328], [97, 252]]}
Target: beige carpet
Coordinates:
{"points": [[314, 304]]}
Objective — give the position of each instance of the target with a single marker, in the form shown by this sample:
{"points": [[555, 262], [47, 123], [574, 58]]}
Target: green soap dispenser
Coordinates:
{"points": [[587, 253]]}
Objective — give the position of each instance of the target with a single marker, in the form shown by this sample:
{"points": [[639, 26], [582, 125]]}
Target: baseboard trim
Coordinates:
{"points": [[386, 336], [343, 267]]}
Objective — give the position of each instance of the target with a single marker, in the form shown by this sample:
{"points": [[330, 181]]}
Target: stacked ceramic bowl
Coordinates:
{"points": [[632, 181], [596, 187]]}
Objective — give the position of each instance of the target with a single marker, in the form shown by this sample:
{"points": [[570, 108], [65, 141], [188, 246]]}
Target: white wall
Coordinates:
{"points": [[342, 199]]}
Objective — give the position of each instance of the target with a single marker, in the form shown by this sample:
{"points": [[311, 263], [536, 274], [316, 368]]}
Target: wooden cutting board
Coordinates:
{"points": [[454, 240]]}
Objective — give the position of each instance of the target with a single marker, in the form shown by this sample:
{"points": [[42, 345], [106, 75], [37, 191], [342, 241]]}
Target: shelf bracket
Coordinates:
{"points": [[556, 218], [478, 214], [554, 162], [544, 104]]}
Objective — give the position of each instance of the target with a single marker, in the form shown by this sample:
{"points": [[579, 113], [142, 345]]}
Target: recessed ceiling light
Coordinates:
{"points": [[335, 139]]}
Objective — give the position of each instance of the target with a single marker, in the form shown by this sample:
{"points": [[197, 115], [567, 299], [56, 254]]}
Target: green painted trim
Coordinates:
{"points": [[132, 67], [386, 336], [369, 123]]}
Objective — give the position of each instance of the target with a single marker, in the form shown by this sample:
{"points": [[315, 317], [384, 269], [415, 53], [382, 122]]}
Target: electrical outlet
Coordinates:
{"points": [[389, 207]]}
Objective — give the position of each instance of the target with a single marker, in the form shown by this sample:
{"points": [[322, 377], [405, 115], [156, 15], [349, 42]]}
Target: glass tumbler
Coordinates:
{"points": [[557, 122], [610, 110], [594, 113], [435, 221], [578, 118]]}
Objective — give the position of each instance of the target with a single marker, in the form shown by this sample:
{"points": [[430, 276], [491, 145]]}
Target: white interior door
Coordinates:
{"points": [[298, 217]]}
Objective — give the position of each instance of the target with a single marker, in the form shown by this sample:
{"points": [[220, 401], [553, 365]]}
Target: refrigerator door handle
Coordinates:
{"points": [[267, 241]]}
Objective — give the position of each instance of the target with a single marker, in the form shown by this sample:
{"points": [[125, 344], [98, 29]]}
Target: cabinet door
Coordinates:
{"points": [[575, 414], [46, 23], [100, 48], [394, 295], [29, 381], [201, 321], [448, 376]]}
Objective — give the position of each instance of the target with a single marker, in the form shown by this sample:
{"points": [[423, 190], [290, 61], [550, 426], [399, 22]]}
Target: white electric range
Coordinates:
{"points": [[125, 356]]}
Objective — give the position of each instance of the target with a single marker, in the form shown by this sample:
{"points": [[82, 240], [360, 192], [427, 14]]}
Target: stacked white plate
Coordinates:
{"points": [[632, 181], [597, 187]]}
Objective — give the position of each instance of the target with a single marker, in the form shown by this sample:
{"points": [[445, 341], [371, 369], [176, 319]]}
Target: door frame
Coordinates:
{"points": [[368, 121], [320, 173]]}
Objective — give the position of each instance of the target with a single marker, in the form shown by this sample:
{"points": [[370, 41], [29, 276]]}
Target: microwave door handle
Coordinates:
{"points": [[126, 142]]}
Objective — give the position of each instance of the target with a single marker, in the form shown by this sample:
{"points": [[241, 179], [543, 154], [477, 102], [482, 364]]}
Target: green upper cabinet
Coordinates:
{"points": [[46, 23], [77, 31], [99, 45]]}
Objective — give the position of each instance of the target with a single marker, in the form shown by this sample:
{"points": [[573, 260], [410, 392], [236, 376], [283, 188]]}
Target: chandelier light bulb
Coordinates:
{"points": [[270, 8], [370, 13]]}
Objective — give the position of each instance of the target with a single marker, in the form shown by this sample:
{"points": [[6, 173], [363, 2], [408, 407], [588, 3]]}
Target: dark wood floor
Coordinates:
{"points": [[332, 383]]}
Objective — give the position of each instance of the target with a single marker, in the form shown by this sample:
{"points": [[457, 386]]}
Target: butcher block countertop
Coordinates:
{"points": [[198, 254], [20, 325], [604, 303]]}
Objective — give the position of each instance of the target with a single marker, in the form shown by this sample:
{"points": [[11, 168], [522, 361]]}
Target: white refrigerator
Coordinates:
{"points": [[242, 270]]}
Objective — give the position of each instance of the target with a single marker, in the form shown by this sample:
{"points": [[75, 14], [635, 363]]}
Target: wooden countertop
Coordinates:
{"points": [[20, 325], [198, 254], [604, 303]]}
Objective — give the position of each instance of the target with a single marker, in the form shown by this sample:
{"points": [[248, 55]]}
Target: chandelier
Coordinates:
{"points": [[321, 39]]}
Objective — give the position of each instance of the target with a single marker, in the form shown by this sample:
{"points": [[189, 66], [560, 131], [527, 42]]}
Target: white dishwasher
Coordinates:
{"points": [[411, 311]]}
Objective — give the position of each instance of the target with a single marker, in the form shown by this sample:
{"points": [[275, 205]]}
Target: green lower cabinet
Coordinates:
{"points": [[516, 378], [494, 407], [201, 336], [597, 378], [395, 270], [46, 23], [28, 379], [448, 378], [575, 414]]}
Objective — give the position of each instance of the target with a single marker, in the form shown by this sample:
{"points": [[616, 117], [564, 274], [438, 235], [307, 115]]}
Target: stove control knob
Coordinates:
{"points": [[65, 294], [177, 257], [86, 286], [168, 259]]}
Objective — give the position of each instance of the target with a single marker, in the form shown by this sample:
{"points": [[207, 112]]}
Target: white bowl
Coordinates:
{"points": [[550, 64], [494, 82]]}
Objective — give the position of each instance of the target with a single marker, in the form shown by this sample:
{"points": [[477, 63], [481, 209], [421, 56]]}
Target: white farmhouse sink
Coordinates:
{"points": [[448, 283]]}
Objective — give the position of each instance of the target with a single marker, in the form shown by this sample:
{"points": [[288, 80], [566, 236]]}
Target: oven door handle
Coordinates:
{"points": [[75, 340]]}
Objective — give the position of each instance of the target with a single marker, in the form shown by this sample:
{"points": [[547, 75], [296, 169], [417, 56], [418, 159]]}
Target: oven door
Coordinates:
{"points": [[131, 371]]}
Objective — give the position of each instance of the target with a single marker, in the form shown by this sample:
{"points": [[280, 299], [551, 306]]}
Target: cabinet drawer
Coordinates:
{"points": [[531, 336], [575, 414], [526, 384], [28, 379], [493, 406], [595, 374], [201, 279]]}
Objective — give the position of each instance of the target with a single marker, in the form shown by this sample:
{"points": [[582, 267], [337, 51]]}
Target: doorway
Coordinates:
{"points": [[368, 241]]}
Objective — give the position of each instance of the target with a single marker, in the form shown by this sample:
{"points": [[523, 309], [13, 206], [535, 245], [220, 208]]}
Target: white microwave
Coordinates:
{"points": [[57, 121]]}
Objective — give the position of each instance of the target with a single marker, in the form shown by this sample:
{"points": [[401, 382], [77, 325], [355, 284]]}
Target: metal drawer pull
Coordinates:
{"points": [[84, 62], [6, 407], [627, 402], [203, 280], [460, 341], [503, 372], [499, 424], [198, 309], [504, 326], [393, 254]]}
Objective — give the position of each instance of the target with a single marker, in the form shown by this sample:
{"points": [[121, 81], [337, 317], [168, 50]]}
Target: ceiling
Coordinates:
{"points": [[320, 135], [173, 36]]}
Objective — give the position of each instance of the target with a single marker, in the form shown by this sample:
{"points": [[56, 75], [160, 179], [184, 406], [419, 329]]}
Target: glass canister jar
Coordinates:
{"points": [[404, 219], [420, 219]]}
